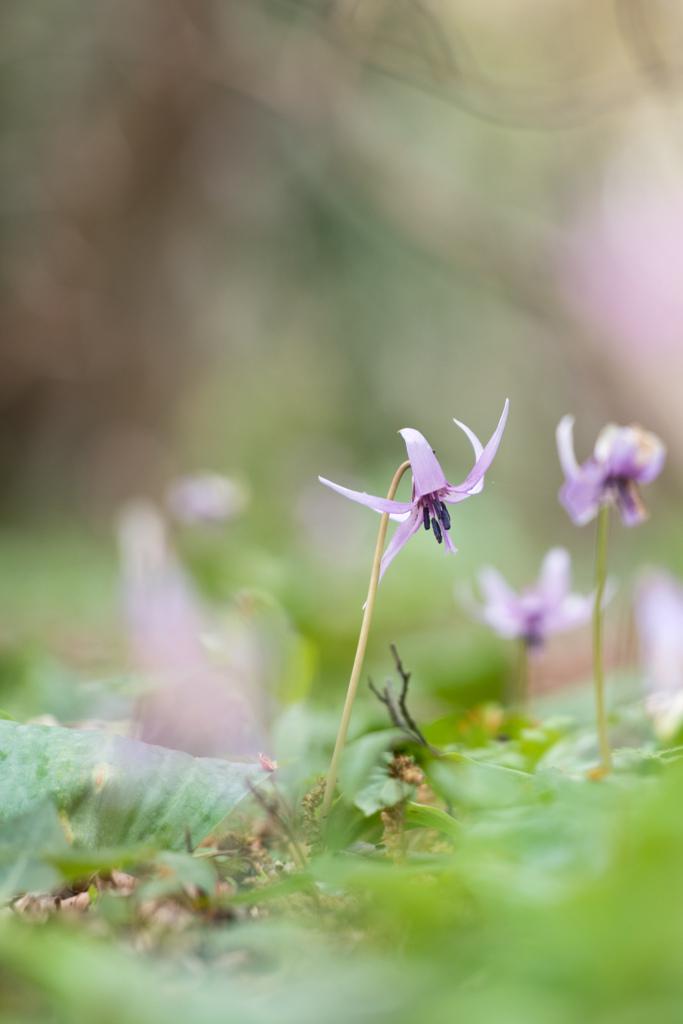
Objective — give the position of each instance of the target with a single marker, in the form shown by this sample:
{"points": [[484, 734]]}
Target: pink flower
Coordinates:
{"points": [[431, 491], [623, 458], [539, 610]]}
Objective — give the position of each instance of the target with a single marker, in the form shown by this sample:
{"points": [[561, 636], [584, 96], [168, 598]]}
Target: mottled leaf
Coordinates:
{"points": [[112, 791]]}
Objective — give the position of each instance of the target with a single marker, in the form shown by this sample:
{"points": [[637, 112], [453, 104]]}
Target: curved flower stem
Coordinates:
{"points": [[360, 653], [598, 668]]}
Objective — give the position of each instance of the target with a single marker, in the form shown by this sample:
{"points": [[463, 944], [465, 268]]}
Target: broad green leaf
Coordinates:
{"points": [[25, 843], [75, 861], [419, 816], [360, 758], [382, 790], [112, 791], [477, 784]]}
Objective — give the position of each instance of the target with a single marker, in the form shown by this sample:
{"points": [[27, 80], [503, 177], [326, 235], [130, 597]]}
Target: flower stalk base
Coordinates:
{"points": [[598, 664], [360, 653]]}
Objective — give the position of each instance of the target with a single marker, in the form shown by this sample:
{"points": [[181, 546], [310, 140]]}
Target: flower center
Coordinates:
{"points": [[440, 517], [626, 494]]}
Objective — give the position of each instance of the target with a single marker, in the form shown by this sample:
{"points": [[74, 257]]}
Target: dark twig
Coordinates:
{"points": [[405, 676], [397, 706]]}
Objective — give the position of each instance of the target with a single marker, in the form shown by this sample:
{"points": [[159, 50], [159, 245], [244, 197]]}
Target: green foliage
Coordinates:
{"points": [[420, 816], [110, 790], [27, 845]]}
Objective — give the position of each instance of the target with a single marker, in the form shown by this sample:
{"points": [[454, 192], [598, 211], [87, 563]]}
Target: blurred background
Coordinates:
{"points": [[257, 238]]}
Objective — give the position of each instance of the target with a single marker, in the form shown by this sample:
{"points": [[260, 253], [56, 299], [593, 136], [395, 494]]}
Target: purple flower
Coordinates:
{"points": [[539, 610], [190, 699], [431, 491], [623, 458], [659, 621]]}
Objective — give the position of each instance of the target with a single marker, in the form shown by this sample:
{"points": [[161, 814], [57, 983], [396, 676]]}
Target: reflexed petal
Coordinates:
{"points": [[564, 436], [554, 580], [574, 611], [583, 495], [507, 620], [503, 617], [448, 543], [495, 588], [404, 531], [476, 443], [428, 475], [379, 504], [470, 484], [478, 451]]}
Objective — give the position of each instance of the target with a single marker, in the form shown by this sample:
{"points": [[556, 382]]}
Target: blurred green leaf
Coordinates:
{"points": [[477, 784], [420, 816], [111, 791], [175, 871], [75, 861], [360, 758], [26, 843], [382, 790]]}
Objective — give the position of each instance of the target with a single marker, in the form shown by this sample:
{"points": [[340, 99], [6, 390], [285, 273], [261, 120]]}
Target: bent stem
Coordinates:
{"points": [[360, 653], [598, 667]]}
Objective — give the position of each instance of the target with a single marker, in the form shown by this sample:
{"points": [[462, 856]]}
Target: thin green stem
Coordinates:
{"points": [[522, 682], [598, 667], [360, 653]]}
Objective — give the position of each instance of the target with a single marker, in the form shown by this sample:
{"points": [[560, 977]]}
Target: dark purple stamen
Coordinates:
{"points": [[426, 517], [627, 495], [444, 516], [437, 530]]}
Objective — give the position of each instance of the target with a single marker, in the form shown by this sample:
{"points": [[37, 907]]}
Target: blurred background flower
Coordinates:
{"points": [[540, 609], [206, 499], [261, 236], [188, 699], [659, 619]]}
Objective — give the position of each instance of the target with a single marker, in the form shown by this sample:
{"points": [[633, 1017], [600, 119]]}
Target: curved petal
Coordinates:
{"points": [[646, 474], [379, 504], [583, 495], [448, 543], [630, 504], [554, 579], [506, 622], [574, 611], [495, 588], [632, 452], [478, 451], [404, 531], [428, 475], [564, 436], [501, 612], [469, 485]]}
